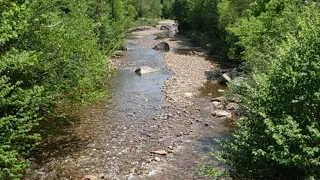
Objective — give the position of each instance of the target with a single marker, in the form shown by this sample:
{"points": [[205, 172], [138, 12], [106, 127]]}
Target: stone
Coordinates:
{"points": [[160, 152], [162, 46], [232, 106], [188, 94], [157, 159], [219, 99], [90, 177], [158, 27], [221, 90], [216, 103], [169, 27], [222, 113], [224, 79], [145, 70]]}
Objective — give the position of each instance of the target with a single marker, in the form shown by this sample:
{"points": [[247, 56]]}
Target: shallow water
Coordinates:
{"points": [[213, 89], [116, 135]]}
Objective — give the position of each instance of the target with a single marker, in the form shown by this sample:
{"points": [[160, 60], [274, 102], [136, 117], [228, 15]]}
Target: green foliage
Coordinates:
{"points": [[201, 17], [279, 41], [52, 52], [146, 8], [279, 137], [167, 9], [20, 102]]}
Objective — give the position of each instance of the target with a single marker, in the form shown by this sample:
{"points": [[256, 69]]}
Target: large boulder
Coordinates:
{"points": [[145, 70], [162, 46]]}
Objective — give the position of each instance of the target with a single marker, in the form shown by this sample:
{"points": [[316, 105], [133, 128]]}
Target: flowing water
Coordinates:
{"points": [[115, 137]]}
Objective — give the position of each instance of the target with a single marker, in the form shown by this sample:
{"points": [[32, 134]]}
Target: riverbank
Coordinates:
{"points": [[157, 126]]}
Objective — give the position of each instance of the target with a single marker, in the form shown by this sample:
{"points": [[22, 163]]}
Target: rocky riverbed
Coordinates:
{"points": [[158, 126]]}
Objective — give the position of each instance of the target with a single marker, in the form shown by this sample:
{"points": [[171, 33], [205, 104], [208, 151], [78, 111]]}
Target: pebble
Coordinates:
{"points": [[157, 159]]}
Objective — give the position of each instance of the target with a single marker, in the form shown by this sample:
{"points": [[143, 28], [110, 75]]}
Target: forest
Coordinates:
{"points": [[57, 52]]}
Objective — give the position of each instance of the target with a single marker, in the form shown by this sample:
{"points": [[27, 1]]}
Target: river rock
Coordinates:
{"points": [[160, 152], [166, 27], [158, 27], [224, 79], [188, 94], [90, 177], [145, 70], [162, 46], [222, 113], [219, 99], [217, 104]]}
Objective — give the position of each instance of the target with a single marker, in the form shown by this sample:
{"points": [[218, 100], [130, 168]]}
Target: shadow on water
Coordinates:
{"points": [[58, 140]]}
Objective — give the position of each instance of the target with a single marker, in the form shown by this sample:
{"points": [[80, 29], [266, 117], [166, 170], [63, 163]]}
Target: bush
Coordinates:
{"points": [[279, 135], [51, 52], [20, 103]]}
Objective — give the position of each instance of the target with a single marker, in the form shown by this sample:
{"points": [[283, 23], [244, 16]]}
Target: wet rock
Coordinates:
{"points": [[224, 79], [232, 106], [90, 177], [145, 70], [221, 113], [162, 46]]}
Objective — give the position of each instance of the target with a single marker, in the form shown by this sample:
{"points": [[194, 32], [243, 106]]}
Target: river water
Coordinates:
{"points": [[113, 139]]}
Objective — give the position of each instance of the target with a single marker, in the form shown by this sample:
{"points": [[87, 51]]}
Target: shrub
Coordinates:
{"points": [[279, 136]]}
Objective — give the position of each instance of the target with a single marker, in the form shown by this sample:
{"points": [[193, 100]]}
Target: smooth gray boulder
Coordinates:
{"points": [[145, 70], [162, 46]]}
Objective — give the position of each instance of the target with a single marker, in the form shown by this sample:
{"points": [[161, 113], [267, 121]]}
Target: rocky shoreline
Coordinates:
{"points": [[173, 142]]}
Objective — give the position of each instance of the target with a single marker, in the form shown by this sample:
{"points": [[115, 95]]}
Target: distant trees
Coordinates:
{"points": [[167, 10], [146, 8]]}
